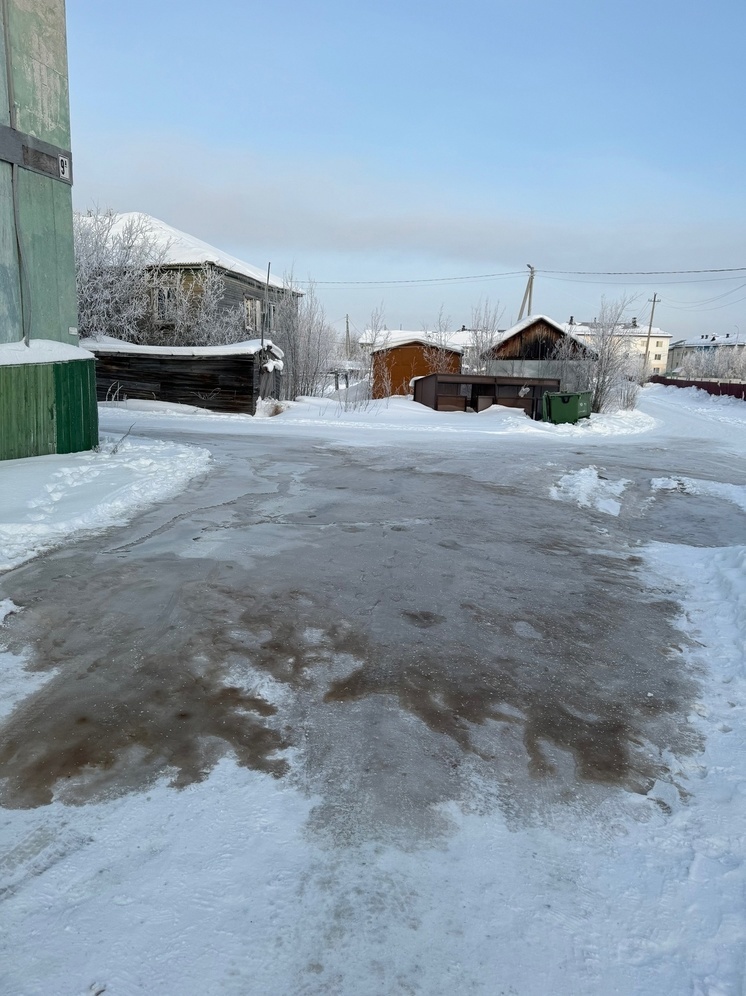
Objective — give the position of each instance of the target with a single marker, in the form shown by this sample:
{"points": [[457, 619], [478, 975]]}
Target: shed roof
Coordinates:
{"points": [[249, 347], [393, 340]]}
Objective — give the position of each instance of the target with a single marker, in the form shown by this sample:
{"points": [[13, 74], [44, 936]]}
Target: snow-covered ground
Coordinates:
{"points": [[227, 886], [51, 500]]}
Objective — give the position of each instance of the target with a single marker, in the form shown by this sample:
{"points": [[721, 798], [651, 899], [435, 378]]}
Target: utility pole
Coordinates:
{"points": [[647, 344], [348, 345], [528, 297], [265, 316]]}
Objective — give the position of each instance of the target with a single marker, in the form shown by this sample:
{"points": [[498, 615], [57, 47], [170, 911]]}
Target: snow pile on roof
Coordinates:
{"points": [[181, 249], [458, 341], [249, 347], [584, 329], [710, 340], [390, 340], [40, 351], [47, 501]]}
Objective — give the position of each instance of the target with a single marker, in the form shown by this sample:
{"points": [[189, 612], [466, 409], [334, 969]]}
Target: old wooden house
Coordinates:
{"points": [[528, 348], [220, 378], [183, 257], [402, 356]]}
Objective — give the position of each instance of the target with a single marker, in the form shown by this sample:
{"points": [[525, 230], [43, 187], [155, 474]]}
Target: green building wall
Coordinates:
{"points": [[44, 408]]}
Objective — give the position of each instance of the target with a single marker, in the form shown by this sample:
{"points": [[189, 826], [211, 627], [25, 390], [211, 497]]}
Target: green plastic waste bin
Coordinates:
{"points": [[559, 407]]}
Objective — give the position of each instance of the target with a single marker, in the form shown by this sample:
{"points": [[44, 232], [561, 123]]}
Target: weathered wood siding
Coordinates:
{"points": [[537, 342], [218, 383], [394, 368]]}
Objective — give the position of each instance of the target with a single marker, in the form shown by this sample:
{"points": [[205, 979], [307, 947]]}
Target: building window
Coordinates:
{"points": [[657, 356], [253, 314], [165, 304], [656, 370], [658, 345]]}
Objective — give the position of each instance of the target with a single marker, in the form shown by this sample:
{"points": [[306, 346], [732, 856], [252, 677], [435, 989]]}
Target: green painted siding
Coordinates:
{"points": [[47, 408], [38, 43], [10, 291], [47, 238], [76, 409], [27, 411], [4, 103]]}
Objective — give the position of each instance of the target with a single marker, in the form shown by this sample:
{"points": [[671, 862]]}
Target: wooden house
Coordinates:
{"points": [[402, 356], [220, 378], [185, 256], [527, 349]]}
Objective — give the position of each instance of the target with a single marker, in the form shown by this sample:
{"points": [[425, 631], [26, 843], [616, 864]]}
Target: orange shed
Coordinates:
{"points": [[394, 364]]}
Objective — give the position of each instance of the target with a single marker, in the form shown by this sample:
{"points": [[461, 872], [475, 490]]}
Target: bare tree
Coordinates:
{"points": [[438, 355], [717, 363], [484, 333], [114, 272], [614, 369], [307, 339]]}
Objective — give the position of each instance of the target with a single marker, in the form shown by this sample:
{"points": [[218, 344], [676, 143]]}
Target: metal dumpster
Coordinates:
{"points": [[566, 408]]}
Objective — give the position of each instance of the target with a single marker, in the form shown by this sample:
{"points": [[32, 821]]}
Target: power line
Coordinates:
{"points": [[641, 273], [551, 274]]}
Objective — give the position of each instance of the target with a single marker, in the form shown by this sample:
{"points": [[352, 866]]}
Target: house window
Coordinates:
{"points": [[253, 314], [656, 370], [165, 304], [657, 356], [658, 345]]}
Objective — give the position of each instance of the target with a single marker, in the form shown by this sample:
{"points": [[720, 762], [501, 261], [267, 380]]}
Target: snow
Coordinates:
{"points": [[249, 347], [40, 351], [47, 501], [186, 250], [224, 888], [589, 489]]}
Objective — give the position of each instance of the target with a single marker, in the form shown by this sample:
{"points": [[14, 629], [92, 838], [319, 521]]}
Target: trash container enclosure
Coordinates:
{"points": [[475, 392], [562, 408]]}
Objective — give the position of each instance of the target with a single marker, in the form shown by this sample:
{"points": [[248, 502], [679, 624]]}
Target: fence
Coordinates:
{"points": [[729, 388]]}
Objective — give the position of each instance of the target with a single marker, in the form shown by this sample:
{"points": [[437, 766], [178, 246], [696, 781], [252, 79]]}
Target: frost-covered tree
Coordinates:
{"points": [[483, 334], [717, 363], [611, 370], [189, 310], [309, 342], [115, 266], [124, 289]]}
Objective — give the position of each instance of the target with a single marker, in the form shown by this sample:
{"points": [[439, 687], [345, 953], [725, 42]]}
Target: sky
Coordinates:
{"points": [[417, 156]]}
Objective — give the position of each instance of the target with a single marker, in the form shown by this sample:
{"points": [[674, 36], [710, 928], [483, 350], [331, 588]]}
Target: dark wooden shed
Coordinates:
{"points": [[220, 378], [475, 392]]}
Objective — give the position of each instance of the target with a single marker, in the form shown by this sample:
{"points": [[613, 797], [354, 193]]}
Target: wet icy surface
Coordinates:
{"points": [[367, 714]]}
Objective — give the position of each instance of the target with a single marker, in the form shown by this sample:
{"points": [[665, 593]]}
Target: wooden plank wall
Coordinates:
{"points": [[218, 383]]}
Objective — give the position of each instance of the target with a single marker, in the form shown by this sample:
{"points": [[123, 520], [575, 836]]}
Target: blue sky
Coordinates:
{"points": [[410, 140]]}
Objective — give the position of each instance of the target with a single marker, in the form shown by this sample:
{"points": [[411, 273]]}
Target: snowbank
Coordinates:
{"points": [[47, 501]]}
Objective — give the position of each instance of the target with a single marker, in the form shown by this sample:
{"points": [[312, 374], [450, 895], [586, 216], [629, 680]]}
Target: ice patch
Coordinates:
{"points": [[589, 490], [735, 493]]}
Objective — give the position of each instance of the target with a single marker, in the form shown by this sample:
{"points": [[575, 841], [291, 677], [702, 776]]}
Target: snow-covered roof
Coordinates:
{"points": [[40, 351], [624, 328], [527, 323], [390, 340], [709, 340], [108, 344], [181, 249]]}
